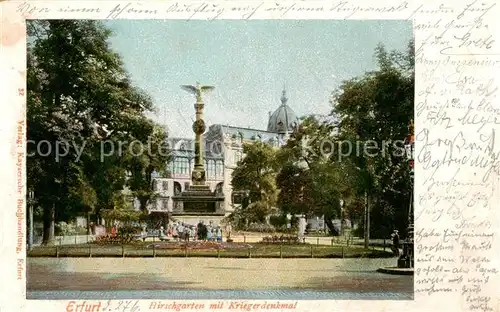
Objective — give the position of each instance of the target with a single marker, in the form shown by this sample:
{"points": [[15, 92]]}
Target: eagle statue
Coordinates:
{"points": [[197, 89]]}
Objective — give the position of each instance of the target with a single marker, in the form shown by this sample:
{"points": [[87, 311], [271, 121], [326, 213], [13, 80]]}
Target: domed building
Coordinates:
{"points": [[222, 150], [283, 120]]}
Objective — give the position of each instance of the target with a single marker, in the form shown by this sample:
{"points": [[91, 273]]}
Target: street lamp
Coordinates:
{"points": [[31, 196], [341, 217], [406, 259], [410, 151]]}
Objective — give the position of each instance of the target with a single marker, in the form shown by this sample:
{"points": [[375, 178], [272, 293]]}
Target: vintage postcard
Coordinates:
{"points": [[250, 156]]}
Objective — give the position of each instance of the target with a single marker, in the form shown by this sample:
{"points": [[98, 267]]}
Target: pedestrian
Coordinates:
{"points": [[204, 231], [209, 235], [186, 233], [144, 234], [175, 234], [180, 231], [219, 235], [395, 242], [199, 230]]}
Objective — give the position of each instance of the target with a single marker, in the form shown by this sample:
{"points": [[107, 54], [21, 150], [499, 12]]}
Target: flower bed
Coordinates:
{"points": [[282, 239], [200, 245]]}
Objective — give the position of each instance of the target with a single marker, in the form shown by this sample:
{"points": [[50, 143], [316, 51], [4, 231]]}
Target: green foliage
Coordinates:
{"points": [[378, 107], [142, 166], [278, 221], [256, 174], [64, 229], [124, 215], [80, 96], [309, 182], [260, 227], [155, 219], [127, 232]]}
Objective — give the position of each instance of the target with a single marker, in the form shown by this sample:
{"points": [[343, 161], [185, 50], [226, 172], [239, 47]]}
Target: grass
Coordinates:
{"points": [[256, 250]]}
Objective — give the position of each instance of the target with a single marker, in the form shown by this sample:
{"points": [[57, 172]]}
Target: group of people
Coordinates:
{"points": [[208, 232], [181, 231]]}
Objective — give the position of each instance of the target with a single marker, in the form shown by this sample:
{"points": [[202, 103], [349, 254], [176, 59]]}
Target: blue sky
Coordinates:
{"points": [[248, 62]]}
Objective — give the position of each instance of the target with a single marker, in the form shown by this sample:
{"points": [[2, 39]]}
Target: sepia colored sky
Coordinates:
{"points": [[248, 62]]}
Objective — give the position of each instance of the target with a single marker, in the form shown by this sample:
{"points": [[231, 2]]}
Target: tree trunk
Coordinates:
{"points": [[329, 224], [367, 221], [143, 204], [89, 230], [48, 225]]}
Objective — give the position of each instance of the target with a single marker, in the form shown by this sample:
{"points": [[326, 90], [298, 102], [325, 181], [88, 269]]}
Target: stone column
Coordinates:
{"points": [[198, 176]]}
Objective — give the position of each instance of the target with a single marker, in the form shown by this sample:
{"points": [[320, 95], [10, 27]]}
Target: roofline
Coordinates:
{"points": [[243, 128]]}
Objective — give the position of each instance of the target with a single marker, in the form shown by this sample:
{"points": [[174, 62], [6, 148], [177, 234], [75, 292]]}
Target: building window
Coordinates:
{"points": [[219, 168], [182, 165], [238, 156], [210, 169], [238, 198], [186, 185], [177, 188], [164, 204], [159, 186], [165, 185], [170, 167]]}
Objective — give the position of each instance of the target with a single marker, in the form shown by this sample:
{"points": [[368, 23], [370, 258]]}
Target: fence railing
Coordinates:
{"points": [[67, 239], [279, 250], [241, 238]]}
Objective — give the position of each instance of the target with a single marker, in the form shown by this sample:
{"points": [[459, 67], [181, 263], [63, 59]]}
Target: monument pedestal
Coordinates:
{"points": [[199, 200]]}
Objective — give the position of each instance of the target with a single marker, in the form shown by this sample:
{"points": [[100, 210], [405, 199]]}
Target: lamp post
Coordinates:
{"points": [[31, 196], [342, 217], [406, 259]]}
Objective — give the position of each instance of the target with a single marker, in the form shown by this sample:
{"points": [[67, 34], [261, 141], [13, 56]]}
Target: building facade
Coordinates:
{"points": [[223, 148]]}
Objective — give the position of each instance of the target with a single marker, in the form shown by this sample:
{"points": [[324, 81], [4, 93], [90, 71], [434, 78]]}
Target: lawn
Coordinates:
{"points": [[233, 250]]}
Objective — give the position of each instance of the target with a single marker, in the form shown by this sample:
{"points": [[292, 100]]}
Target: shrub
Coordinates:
{"points": [[108, 239], [260, 227], [127, 232], [282, 239], [64, 229], [278, 221], [81, 230], [358, 232]]}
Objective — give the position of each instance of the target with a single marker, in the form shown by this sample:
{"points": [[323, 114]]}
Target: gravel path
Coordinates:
{"points": [[127, 274]]}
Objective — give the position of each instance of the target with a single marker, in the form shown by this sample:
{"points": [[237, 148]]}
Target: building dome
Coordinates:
{"points": [[283, 120]]}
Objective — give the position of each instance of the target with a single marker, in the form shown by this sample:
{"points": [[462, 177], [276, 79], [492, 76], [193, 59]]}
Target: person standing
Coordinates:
{"points": [[204, 231], [199, 230], [219, 235], [229, 228], [395, 242], [175, 234], [209, 234], [180, 230], [187, 232]]}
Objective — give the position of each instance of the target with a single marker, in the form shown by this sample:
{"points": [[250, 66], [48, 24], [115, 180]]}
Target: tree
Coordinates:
{"points": [[374, 111], [309, 182], [256, 174], [141, 164], [79, 97]]}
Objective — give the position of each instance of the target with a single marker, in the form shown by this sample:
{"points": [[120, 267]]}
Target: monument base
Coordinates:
{"points": [[198, 200], [405, 263]]}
